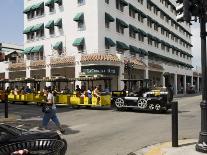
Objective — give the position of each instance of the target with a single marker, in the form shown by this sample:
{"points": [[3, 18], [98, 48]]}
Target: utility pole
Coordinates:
{"points": [[201, 145], [198, 9]]}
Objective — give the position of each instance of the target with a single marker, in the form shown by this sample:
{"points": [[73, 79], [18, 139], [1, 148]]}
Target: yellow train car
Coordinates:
{"points": [[77, 101]]}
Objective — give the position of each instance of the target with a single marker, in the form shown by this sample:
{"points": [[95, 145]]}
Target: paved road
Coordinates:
{"points": [[108, 132]]}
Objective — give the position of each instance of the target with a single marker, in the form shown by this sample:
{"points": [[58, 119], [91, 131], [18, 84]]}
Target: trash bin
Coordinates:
{"points": [[35, 147]]}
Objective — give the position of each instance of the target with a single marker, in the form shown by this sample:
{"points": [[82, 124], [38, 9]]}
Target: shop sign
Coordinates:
{"points": [[105, 70]]}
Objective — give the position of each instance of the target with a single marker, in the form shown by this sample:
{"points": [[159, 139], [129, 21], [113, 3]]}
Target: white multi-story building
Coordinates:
{"points": [[98, 37]]}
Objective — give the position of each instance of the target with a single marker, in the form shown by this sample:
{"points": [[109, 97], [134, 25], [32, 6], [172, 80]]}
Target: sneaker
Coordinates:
{"points": [[62, 130]]}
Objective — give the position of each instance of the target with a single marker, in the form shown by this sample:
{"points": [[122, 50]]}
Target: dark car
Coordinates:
{"points": [[10, 134]]}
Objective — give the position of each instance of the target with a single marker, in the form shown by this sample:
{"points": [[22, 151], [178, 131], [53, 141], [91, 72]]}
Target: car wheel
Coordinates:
{"points": [[157, 107], [151, 107], [119, 103]]}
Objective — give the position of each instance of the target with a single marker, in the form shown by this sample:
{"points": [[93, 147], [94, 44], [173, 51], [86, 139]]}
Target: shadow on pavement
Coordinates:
{"points": [[36, 125], [188, 144]]}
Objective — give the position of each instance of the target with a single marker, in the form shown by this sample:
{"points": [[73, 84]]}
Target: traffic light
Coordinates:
{"points": [[186, 9]]}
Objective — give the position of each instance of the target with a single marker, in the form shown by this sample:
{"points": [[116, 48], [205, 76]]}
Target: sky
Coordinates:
{"points": [[12, 25]]}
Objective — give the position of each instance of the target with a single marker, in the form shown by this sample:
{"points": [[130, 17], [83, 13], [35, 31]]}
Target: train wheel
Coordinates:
{"points": [[157, 107], [151, 107], [119, 103]]}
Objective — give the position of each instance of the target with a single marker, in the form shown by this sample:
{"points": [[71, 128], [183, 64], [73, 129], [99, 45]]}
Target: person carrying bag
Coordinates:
{"points": [[49, 110]]}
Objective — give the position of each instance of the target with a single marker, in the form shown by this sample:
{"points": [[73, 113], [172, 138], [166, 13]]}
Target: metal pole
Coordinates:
{"points": [[201, 145], [175, 124], [6, 108]]}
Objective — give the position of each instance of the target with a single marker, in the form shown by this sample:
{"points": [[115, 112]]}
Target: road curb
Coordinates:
{"points": [[162, 148]]}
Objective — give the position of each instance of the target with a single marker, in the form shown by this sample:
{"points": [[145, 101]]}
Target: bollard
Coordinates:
{"points": [[175, 124], [6, 108]]}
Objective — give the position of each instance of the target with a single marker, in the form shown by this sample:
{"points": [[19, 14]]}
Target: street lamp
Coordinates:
{"points": [[129, 66], [198, 8]]}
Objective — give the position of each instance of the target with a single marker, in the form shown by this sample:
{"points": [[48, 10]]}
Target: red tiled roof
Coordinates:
{"points": [[99, 57], [138, 63], [38, 63], [69, 60]]}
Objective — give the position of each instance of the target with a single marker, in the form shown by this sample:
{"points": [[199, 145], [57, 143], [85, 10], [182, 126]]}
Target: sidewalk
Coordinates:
{"points": [[186, 147], [12, 118], [186, 95]]}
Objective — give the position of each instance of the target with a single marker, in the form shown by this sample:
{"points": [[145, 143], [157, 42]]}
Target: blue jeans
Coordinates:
{"points": [[50, 115]]}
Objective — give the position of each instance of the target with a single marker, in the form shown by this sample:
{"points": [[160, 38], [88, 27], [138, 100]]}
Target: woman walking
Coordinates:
{"points": [[50, 111]]}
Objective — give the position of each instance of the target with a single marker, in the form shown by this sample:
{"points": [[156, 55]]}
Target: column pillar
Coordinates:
{"points": [[77, 68], [7, 75], [120, 84], [191, 80], [163, 80], [28, 71], [198, 84], [175, 84], [184, 84], [48, 70], [146, 72]]}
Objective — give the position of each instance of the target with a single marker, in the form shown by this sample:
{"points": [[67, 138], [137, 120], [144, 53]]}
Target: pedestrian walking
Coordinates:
{"points": [[49, 110]]}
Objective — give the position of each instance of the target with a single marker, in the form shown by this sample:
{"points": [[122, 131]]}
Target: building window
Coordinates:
{"points": [[140, 1], [120, 6], [141, 37], [149, 41], [149, 7], [132, 13], [155, 11], [81, 25], [132, 34], [107, 24], [119, 28], [81, 2], [162, 47], [161, 15], [52, 8], [167, 34], [40, 12], [107, 1], [156, 44], [40, 33], [30, 15], [30, 36], [172, 36], [52, 31], [167, 49], [80, 48], [149, 23], [162, 31], [140, 18], [155, 27]]}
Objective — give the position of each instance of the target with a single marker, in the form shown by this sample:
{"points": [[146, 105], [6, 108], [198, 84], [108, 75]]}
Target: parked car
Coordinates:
{"points": [[10, 134]]}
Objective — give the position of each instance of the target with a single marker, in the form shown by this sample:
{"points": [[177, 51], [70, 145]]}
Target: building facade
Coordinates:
{"points": [[9, 53], [98, 38]]}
